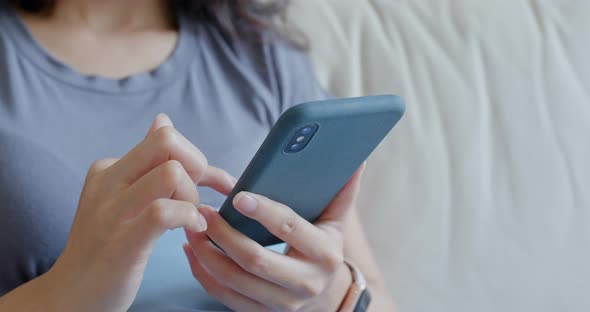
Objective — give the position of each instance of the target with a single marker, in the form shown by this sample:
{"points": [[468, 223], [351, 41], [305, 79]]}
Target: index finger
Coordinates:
{"points": [[218, 179], [285, 224], [162, 145]]}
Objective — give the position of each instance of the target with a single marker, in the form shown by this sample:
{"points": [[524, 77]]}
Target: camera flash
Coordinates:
{"points": [[300, 139]]}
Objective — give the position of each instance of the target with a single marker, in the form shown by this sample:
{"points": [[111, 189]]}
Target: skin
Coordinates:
{"points": [[128, 203]]}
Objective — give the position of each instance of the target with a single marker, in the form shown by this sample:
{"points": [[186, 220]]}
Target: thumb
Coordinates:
{"points": [[162, 120], [342, 203]]}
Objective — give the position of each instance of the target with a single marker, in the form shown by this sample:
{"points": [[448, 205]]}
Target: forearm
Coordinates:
{"points": [[32, 296], [381, 298], [53, 291], [357, 250]]}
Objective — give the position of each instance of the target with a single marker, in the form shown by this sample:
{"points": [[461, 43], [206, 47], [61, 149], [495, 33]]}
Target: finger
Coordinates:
{"points": [[162, 120], [162, 215], [99, 166], [162, 145], [226, 295], [258, 260], [228, 273], [284, 223], [342, 203], [167, 181], [92, 186], [218, 179]]}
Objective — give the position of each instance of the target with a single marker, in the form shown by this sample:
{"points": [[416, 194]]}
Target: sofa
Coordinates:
{"points": [[479, 200]]}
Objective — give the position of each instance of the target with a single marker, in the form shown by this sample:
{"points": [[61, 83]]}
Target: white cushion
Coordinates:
{"points": [[480, 199]]}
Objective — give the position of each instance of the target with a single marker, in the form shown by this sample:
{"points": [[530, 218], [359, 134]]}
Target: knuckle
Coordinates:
{"points": [[91, 185], [255, 262], [96, 167], [332, 260], [199, 165], [202, 163], [171, 173], [189, 213], [166, 138], [158, 214], [311, 289], [289, 225]]}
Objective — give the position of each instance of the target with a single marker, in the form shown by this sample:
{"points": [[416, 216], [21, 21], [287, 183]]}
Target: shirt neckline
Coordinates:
{"points": [[172, 68]]}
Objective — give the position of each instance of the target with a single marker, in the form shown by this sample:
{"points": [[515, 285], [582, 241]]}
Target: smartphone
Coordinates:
{"points": [[309, 155]]}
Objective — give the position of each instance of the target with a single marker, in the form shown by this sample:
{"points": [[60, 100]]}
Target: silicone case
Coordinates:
{"points": [[348, 131]]}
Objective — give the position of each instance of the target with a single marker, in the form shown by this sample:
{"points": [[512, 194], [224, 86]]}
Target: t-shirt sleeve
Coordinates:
{"points": [[295, 80]]}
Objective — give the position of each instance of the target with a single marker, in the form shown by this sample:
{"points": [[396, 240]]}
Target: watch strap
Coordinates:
{"points": [[357, 298], [363, 303]]}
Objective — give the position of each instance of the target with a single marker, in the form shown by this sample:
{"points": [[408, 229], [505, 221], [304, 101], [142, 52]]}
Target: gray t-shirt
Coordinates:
{"points": [[222, 94]]}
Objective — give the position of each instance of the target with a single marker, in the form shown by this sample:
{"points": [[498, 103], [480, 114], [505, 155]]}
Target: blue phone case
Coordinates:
{"points": [[346, 132]]}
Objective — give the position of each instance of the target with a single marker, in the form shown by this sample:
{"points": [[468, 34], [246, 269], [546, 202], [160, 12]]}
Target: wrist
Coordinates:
{"points": [[73, 287], [338, 288], [40, 294], [60, 293]]}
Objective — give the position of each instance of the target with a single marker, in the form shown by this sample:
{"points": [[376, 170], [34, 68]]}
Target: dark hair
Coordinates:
{"points": [[236, 18]]}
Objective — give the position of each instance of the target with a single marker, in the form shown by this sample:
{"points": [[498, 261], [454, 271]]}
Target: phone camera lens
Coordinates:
{"points": [[306, 130], [301, 139]]}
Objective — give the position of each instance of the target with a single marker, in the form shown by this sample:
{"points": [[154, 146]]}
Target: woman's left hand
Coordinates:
{"points": [[311, 276]]}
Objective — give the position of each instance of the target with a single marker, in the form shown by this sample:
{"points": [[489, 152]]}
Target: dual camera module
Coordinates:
{"points": [[300, 139]]}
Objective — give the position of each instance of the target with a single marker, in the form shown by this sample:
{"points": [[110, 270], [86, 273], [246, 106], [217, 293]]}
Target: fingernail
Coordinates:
{"points": [[205, 212], [245, 202], [201, 223]]}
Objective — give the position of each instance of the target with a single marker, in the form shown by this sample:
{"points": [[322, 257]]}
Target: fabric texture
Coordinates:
{"points": [[478, 201], [223, 95]]}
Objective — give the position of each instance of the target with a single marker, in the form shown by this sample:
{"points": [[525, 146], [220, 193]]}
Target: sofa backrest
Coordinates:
{"points": [[480, 199]]}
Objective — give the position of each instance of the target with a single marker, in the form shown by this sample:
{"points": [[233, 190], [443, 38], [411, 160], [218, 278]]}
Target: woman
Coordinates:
{"points": [[79, 81]]}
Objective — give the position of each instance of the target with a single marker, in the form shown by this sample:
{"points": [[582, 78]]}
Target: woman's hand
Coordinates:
{"points": [[125, 206], [248, 277]]}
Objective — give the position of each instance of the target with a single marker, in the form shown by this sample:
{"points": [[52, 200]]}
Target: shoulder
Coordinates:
{"points": [[295, 73], [284, 70]]}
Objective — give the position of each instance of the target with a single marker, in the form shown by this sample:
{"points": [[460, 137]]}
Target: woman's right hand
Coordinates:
{"points": [[125, 206]]}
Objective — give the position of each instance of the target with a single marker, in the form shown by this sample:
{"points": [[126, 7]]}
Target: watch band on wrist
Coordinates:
{"points": [[357, 298]]}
